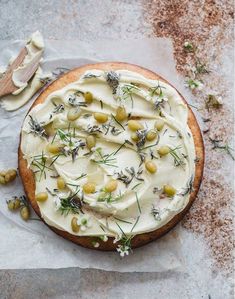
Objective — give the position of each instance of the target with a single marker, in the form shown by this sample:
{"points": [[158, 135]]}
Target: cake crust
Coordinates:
{"points": [[141, 239]]}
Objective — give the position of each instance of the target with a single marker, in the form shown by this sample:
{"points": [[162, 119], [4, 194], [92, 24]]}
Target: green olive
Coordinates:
{"points": [[74, 114], [13, 204], [100, 117], [74, 225], [3, 173], [121, 113], [150, 166], [7, 178], [90, 141], [41, 197], [61, 183], [88, 96], [169, 190], [17, 203], [10, 175], [89, 188], [2, 180], [134, 125], [50, 130], [53, 148], [151, 135], [134, 137], [164, 150], [159, 124], [25, 213], [111, 186]]}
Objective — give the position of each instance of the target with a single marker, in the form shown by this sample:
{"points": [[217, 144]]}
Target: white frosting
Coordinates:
{"points": [[35, 48], [14, 102], [130, 213]]}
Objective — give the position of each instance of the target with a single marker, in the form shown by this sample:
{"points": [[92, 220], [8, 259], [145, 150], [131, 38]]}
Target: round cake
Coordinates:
{"points": [[111, 156]]}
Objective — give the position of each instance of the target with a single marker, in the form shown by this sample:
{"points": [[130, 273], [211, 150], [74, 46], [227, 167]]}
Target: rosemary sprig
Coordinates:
{"points": [[178, 161], [90, 76], [121, 220], [71, 204], [72, 101], [137, 185], [137, 220], [141, 138], [189, 187], [39, 162], [93, 129], [36, 128], [114, 130], [156, 213], [106, 159], [124, 246], [112, 79], [58, 108], [130, 174], [83, 175], [114, 118], [108, 197], [126, 93], [69, 140], [224, 147], [137, 201], [156, 90]]}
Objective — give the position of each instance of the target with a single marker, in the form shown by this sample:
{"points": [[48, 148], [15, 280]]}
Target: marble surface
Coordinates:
{"points": [[209, 24]]}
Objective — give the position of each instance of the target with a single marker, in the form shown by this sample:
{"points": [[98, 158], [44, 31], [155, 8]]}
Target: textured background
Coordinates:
{"points": [[209, 24]]}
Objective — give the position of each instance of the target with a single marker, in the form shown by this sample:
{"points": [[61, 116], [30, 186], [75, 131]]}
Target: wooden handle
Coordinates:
{"points": [[6, 84]]}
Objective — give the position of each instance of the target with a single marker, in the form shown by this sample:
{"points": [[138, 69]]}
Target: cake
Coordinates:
{"points": [[111, 156]]}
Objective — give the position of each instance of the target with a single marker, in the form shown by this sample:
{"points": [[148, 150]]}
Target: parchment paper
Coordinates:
{"points": [[31, 244]]}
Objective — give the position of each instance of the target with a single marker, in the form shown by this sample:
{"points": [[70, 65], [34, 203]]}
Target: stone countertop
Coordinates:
{"points": [[209, 25]]}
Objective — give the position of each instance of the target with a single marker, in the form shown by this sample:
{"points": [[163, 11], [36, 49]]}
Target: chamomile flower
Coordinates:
{"points": [[84, 222]]}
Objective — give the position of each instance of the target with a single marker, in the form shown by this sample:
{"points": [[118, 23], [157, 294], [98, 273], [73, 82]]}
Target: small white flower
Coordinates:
{"points": [[123, 250], [96, 244], [104, 238], [189, 46], [116, 239], [194, 84], [84, 222]]}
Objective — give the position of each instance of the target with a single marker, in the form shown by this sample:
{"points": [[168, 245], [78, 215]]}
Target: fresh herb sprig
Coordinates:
{"points": [[93, 129], [178, 160], [90, 76], [130, 174], [71, 204], [36, 128], [156, 90], [108, 197], [73, 102], [107, 159], [39, 162], [222, 146], [112, 78], [126, 93], [189, 187], [156, 213]]}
